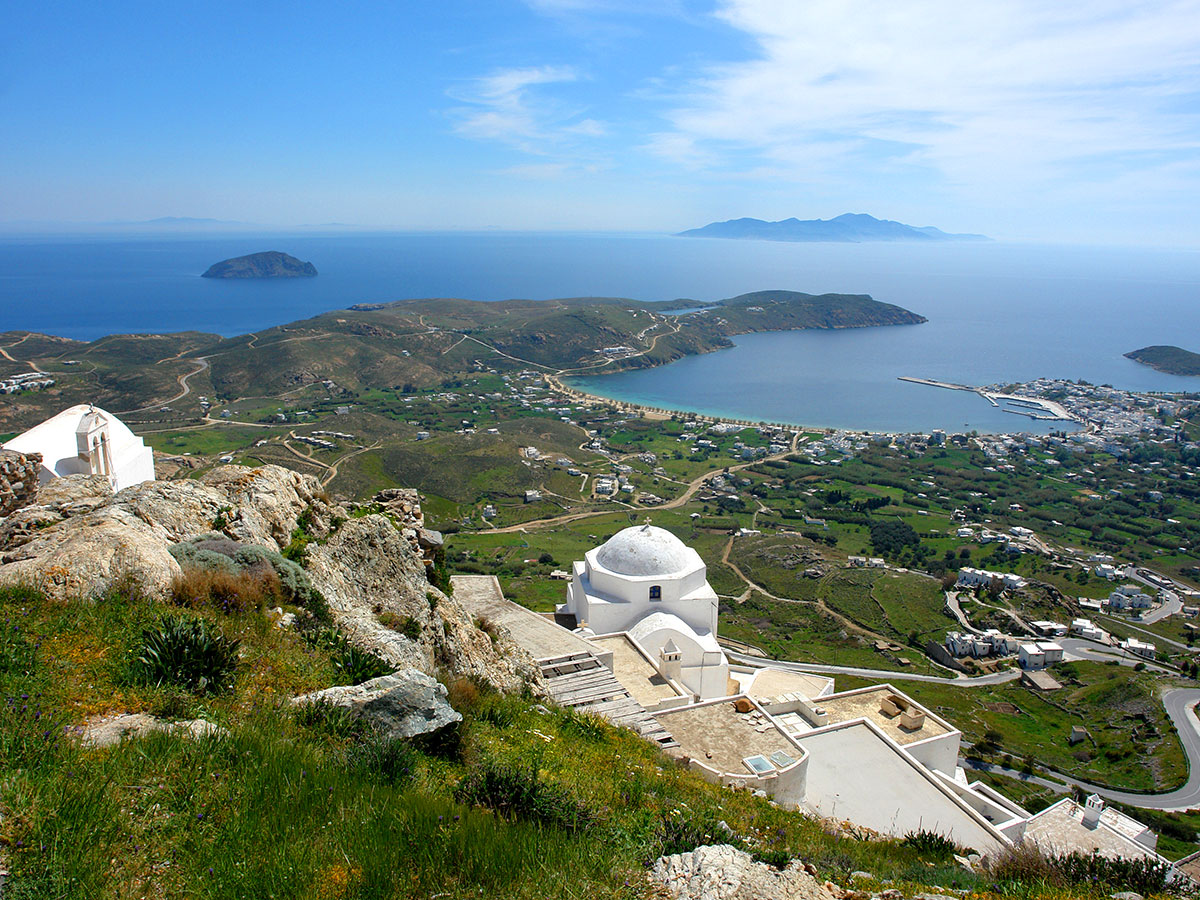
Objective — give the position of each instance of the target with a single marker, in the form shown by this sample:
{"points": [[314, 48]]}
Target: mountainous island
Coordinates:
{"points": [[268, 264], [1165, 358], [847, 228]]}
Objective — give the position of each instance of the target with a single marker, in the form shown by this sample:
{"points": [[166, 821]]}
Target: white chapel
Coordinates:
{"points": [[645, 581], [87, 440]]}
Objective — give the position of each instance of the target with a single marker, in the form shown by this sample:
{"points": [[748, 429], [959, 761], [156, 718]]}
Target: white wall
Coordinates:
{"points": [[855, 774]]}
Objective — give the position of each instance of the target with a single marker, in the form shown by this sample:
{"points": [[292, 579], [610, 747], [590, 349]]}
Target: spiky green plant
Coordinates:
{"points": [[187, 652]]}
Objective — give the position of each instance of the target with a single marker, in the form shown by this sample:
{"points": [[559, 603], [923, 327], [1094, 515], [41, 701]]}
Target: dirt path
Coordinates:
{"points": [[4, 352], [847, 623], [184, 388]]}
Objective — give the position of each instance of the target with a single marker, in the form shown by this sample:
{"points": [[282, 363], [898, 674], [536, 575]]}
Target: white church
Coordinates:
{"points": [[647, 582], [643, 609], [87, 440]]}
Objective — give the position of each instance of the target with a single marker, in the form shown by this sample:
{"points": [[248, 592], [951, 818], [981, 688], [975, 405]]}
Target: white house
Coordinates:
{"points": [[1047, 628], [1129, 596], [969, 577], [1039, 655], [1089, 630], [1139, 648], [87, 440], [645, 581]]}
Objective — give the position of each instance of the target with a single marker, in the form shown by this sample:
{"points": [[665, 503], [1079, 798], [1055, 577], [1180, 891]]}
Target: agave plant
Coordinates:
{"points": [[188, 652]]}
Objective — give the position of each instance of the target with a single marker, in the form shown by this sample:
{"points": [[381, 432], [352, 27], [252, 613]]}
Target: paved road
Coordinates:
{"points": [[978, 681], [1082, 649], [1179, 705]]}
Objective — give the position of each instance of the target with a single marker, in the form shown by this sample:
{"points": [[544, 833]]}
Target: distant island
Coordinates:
{"points": [[269, 264], [1165, 358], [847, 228]]}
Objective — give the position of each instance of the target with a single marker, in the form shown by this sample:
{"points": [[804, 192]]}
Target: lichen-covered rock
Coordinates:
{"points": [[403, 705], [370, 573], [81, 539], [723, 872]]}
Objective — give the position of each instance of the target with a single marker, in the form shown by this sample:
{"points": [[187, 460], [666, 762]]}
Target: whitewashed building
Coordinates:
{"points": [[645, 581], [87, 440], [969, 577]]}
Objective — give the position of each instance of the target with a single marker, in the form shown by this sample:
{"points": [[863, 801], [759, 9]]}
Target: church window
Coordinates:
{"points": [[656, 592]]}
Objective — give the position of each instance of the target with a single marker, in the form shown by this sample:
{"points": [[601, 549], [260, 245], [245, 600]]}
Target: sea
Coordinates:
{"points": [[998, 312]]}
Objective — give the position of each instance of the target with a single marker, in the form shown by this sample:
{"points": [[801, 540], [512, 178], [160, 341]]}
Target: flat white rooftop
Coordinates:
{"points": [[719, 736]]}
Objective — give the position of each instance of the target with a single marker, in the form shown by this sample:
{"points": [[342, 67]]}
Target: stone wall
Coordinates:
{"points": [[18, 480]]}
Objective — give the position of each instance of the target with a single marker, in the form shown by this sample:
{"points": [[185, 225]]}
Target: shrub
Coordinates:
{"points": [[1144, 876], [217, 553], [227, 592], [519, 792], [354, 665], [930, 844], [187, 652], [488, 627]]}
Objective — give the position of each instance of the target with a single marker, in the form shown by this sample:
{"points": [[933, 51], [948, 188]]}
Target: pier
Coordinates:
{"points": [[942, 384], [1033, 407]]}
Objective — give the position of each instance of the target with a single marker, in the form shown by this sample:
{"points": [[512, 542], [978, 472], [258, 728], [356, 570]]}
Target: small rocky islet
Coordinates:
{"points": [[268, 264]]}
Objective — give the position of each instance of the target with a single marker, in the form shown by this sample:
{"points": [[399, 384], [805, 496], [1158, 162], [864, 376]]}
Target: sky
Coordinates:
{"points": [[1025, 120]]}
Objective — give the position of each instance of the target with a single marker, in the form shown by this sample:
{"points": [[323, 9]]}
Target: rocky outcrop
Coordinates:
{"points": [[403, 705], [111, 730], [723, 872], [18, 480], [403, 507], [374, 582], [80, 539]]}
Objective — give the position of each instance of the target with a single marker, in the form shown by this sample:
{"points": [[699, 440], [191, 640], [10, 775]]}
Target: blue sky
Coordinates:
{"points": [[1071, 121]]}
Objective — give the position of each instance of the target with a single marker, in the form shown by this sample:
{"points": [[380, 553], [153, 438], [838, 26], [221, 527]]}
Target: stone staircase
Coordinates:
{"points": [[582, 682]]}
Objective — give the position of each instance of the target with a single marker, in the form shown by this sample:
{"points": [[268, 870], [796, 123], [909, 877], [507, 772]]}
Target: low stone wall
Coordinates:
{"points": [[18, 480]]}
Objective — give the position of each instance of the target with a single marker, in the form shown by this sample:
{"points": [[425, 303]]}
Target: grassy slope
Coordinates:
{"points": [[313, 808]]}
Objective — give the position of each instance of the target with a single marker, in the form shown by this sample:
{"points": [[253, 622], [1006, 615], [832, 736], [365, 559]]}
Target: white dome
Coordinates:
{"points": [[645, 550]]}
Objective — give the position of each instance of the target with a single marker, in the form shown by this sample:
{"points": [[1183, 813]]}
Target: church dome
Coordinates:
{"points": [[645, 550]]}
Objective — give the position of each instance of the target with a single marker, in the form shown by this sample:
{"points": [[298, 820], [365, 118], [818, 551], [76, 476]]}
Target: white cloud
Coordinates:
{"points": [[503, 108], [983, 98]]}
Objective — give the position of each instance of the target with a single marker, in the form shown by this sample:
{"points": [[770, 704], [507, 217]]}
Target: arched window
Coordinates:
{"points": [[656, 592]]}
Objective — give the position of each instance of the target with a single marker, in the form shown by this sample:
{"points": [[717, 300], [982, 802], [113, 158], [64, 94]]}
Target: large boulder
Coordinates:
{"points": [[80, 539], [403, 705], [373, 579], [723, 872]]}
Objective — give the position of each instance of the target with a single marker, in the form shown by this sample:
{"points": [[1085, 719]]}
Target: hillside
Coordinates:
{"points": [[268, 264], [421, 343], [1169, 359], [849, 227]]}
